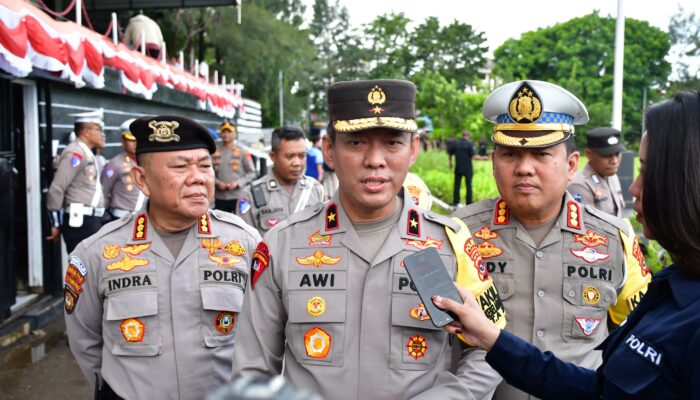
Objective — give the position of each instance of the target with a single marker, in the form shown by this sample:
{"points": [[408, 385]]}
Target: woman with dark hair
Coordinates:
{"points": [[654, 353]]}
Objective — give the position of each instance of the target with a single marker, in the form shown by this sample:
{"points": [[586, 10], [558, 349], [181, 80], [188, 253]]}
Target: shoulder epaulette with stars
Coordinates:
{"points": [[332, 217]]}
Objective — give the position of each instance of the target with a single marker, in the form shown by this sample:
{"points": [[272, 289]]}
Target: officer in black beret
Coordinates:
{"points": [[161, 289], [597, 183], [330, 295]]}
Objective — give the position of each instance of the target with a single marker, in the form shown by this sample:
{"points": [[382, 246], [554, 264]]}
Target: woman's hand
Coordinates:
{"points": [[473, 324]]}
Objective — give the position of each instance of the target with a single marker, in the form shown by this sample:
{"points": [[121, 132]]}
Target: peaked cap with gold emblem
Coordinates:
{"points": [[356, 106], [170, 133], [533, 114]]}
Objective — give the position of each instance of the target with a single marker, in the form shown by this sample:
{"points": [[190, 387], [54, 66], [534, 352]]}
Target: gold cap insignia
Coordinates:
{"points": [[525, 105], [376, 97], [163, 131]]}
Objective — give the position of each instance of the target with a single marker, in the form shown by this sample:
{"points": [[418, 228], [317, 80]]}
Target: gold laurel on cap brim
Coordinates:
{"points": [[548, 139], [354, 125], [128, 136]]}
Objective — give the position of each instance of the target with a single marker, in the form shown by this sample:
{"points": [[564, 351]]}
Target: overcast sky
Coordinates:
{"points": [[503, 19]]}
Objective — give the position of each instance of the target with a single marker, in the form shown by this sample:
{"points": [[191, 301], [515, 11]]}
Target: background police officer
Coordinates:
{"points": [[234, 169], [75, 199], [122, 196], [329, 294], [597, 183], [564, 270], [284, 190], [152, 300]]}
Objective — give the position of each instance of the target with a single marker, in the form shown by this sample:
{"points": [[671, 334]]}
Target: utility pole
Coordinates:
{"points": [[281, 98]]}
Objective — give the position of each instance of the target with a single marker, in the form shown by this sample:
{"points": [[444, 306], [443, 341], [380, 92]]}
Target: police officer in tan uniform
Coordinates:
{"points": [[234, 169], [152, 300], [75, 199], [122, 196], [285, 190], [329, 294], [597, 183], [566, 271]]}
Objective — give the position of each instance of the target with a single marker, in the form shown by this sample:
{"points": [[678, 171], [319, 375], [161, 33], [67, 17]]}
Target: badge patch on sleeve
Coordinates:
{"points": [[69, 299], [224, 322], [317, 343], [261, 259], [75, 160], [243, 206]]}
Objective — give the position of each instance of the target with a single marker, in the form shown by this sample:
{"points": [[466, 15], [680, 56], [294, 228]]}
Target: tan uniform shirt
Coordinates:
{"points": [[277, 204], [604, 194], [120, 192], [155, 327], [75, 180], [348, 327], [557, 295], [232, 165]]}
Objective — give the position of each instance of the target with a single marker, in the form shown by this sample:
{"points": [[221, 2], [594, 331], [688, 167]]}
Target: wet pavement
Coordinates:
{"points": [[42, 367]]}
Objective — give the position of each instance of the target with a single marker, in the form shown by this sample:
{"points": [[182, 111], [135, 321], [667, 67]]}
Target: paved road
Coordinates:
{"points": [[42, 367]]}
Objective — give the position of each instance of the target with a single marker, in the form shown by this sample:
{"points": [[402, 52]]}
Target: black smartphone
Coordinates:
{"points": [[430, 277]]}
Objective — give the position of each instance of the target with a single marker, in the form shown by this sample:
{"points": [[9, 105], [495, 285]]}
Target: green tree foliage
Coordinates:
{"points": [[388, 39], [340, 53], [456, 51], [451, 109], [252, 53], [579, 55], [684, 31]]}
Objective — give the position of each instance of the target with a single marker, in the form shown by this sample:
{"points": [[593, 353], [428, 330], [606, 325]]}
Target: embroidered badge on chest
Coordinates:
{"points": [[136, 249], [127, 264], [316, 239], [417, 346], [224, 322], [419, 313], [318, 259], [235, 248], [591, 239], [224, 260], [316, 306], [424, 244], [133, 330], [591, 295], [588, 325], [317, 343], [590, 254], [211, 244]]}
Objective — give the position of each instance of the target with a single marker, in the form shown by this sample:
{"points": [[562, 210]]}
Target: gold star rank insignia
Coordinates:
{"points": [[331, 217], [413, 223]]}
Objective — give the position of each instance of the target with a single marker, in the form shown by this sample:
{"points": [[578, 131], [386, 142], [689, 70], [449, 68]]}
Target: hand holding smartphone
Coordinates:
{"points": [[430, 277]]}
